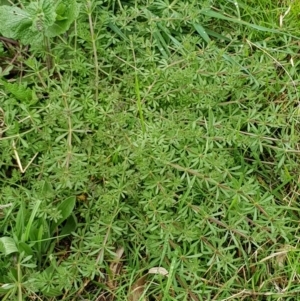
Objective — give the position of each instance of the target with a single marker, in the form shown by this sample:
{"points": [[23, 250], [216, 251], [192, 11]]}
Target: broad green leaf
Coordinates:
{"points": [[13, 21], [43, 14], [19, 24], [70, 226], [38, 19], [23, 247], [33, 234], [66, 13], [65, 208], [8, 245]]}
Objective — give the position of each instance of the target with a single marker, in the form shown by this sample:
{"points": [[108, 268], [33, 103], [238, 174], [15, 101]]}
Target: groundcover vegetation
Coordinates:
{"points": [[149, 150]]}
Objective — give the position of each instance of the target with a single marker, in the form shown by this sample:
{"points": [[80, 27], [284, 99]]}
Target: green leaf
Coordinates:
{"points": [[118, 31], [38, 19], [161, 44], [4, 288], [14, 21], [213, 14], [230, 59], [66, 13], [42, 13], [51, 292], [65, 208], [23, 247], [29, 227], [19, 24], [70, 226], [217, 35], [8, 245], [47, 189], [19, 91], [202, 32]]}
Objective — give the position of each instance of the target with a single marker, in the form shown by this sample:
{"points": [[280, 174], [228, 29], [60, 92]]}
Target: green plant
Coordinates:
{"points": [[31, 239], [183, 159], [37, 20], [20, 91]]}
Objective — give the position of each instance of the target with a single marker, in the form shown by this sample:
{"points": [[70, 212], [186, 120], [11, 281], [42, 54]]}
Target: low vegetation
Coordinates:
{"points": [[149, 150]]}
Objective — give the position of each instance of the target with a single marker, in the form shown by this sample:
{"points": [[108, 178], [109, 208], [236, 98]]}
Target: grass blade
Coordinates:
{"points": [[202, 32]]}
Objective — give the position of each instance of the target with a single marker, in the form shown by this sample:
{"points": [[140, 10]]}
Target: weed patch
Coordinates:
{"points": [[149, 150]]}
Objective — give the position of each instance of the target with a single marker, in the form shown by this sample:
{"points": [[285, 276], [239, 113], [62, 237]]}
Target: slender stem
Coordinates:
{"points": [[137, 92], [89, 11], [49, 60], [19, 282], [139, 104]]}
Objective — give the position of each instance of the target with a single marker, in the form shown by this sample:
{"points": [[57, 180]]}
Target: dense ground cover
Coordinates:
{"points": [[149, 150]]}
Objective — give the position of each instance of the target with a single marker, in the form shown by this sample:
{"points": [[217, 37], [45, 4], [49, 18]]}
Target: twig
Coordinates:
{"points": [[10, 41], [23, 170]]}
